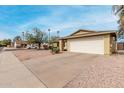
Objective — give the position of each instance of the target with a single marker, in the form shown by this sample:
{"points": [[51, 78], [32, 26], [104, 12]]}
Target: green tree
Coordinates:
{"points": [[39, 36], [36, 36], [0, 43], [54, 38], [30, 38], [17, 38], [119, 10], [6, 42]]}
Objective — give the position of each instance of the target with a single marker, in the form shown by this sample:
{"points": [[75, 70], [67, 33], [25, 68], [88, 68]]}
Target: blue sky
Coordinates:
{"points": [[67, 19]]}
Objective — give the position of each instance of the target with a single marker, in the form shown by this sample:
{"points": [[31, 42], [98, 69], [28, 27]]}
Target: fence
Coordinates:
{"points": [[120, 46]]}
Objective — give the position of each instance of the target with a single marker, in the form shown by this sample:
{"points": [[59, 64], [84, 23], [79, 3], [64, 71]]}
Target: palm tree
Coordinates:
{"points": [[119, 10]]}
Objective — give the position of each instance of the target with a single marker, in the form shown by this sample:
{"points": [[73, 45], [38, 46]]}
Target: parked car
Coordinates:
{"points": [[31, 47], [45, 46]]}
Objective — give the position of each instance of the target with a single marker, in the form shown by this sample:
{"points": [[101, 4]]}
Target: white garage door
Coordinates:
{"points": [[94, 45]]}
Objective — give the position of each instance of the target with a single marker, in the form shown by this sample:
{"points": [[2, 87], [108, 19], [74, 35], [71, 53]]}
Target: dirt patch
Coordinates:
{"points": [[23, 55]]}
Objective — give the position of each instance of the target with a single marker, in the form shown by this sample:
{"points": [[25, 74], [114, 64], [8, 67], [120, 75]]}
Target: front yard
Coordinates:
{"points": [[74, 69]]}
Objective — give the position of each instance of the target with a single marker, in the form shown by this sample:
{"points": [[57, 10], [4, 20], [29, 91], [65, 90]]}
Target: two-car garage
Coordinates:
{"points": [[93, 45]]}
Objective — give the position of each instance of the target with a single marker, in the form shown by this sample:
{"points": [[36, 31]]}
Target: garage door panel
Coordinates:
{"points": [[93, 45]]}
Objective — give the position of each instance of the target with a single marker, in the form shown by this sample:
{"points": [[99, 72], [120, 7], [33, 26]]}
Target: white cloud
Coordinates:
{"points": [[56, 21], [50, 22]]}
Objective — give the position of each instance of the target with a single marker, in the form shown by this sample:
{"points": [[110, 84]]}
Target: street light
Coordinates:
{"points": [[49, 35], [58, 33], [23, 35]]}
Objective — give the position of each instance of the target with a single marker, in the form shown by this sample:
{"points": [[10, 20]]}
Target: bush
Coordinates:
{"points": [[55, 50], [50, 47]]}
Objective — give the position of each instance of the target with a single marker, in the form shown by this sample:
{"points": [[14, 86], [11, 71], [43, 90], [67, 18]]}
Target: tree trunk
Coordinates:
{"points": [[39, 44]]}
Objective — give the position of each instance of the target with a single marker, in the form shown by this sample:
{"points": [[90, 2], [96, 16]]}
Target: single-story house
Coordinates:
{"points": [[93, 42], [17, 43], [20, 44]]}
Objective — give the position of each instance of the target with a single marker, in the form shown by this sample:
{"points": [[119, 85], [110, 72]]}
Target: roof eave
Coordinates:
{"points": [[71, 37]]}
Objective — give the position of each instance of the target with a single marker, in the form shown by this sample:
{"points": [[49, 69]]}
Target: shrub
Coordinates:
{"points": [[55, 50]]}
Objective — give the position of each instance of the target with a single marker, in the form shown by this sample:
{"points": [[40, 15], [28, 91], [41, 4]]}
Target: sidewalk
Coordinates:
{"points": [[1, 49], [14, 74]]}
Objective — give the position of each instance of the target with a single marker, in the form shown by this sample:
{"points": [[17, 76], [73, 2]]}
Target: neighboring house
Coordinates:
{"points": [[94, 42], [20, 44], [17, 43]]}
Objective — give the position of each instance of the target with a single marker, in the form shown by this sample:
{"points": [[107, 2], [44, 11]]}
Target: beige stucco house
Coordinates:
{"points": [[93, 42], [20, 44]]}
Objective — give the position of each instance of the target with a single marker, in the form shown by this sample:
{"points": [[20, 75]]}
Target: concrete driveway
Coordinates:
{"points": [[78, 70], [56, 70]]}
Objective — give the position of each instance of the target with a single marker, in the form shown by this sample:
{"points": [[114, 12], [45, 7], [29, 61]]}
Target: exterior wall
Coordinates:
{"points": [[110, 45], [17, 43], [63, 45], [60, 45], [93, 45], [113, 44], [107, 45], [68, 46]]}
